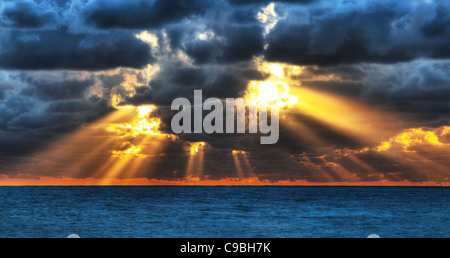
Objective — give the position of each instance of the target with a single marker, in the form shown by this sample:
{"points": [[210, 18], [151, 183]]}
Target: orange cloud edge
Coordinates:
{"points": [[67, 181]]}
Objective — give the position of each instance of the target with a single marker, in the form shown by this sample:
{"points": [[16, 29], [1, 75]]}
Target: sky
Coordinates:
{"points": [[86, 88]]}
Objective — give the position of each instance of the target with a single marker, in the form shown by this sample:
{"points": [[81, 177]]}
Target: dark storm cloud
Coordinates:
{"points": [[59, 117], [346, 80], [56, 90], [323, 33], [13, 107], [228, 36], [35, 121], [15, 138], [39, 107], [380, 32], [29, 127], [59, 49], [74, 106], [26, 14], [141, 14], [233, 44], [417, 89], [439, 25], [243, 15]]}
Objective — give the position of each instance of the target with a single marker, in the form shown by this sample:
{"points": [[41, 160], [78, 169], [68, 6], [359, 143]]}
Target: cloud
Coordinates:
{"points": [[230, 44], [228, 36], [381, 32], [40, 107], [59, 49], [47, 90], [439, 25], [26, 14], [33, 125], [415, 89], [13, 107], [66, 63], [140, 14], [320, 33]]}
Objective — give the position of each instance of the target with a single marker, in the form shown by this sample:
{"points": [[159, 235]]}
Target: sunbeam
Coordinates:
{"points": [[195, 163]]}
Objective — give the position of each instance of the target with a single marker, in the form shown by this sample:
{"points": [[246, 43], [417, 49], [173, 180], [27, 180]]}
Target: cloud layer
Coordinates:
{"points": [[66, 64]]}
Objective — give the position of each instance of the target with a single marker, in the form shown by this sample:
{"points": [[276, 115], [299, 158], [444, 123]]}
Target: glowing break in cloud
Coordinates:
{"points": [[414, 137], [273, 92]]}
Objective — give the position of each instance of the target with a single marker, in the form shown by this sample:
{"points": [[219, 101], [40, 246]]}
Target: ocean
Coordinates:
{"points": [[224, 212]]}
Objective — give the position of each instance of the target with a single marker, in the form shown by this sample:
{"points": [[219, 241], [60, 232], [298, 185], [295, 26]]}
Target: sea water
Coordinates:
{"points": [[224, 211]]}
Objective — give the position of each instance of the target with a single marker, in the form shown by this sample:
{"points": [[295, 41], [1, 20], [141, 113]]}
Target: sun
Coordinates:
{"points": [[273, 92]]}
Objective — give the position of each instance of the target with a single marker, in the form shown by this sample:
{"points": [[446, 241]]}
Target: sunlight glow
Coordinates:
{"points": [[243, 170], [132, 151], [274, 92], [196, 147], [270, 94], [148, 38], [194, 167], [352, 118], [276, 69], [445, 131], [143, 124], [411, 138]]}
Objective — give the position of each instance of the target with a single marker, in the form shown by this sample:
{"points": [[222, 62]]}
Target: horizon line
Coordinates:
{"points": [[195, 181]]}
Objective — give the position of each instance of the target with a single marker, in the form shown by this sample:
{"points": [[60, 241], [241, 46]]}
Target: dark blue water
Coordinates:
{"points": [[278, 212]]}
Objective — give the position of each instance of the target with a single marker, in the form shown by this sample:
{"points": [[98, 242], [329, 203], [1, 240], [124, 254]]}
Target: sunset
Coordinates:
{"points": [[225, 93]]}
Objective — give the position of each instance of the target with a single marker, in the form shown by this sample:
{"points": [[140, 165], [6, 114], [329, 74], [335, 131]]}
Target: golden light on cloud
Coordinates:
{"points": [[274, 92], [269, 94], [148, 38], [445, 131], [423, 151], [384, 146], [133, 151], [142, 124], [276, 69], [139, 135], [196, 147], [412, 138]]}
